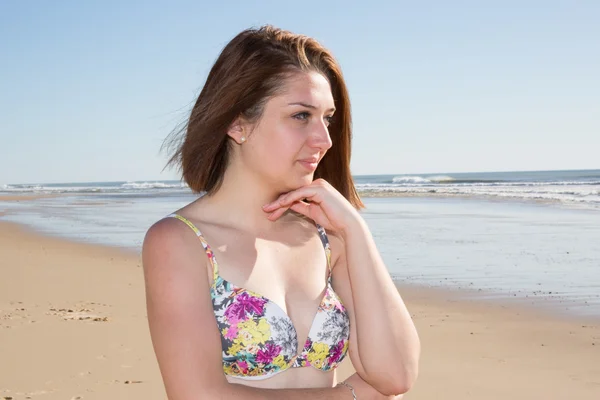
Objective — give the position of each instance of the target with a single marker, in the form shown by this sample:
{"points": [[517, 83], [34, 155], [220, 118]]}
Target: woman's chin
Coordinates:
{"points": [[299, 181], [307, 179]]}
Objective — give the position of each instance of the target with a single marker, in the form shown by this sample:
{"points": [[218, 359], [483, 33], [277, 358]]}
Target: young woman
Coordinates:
{"points": [[260, 288]]}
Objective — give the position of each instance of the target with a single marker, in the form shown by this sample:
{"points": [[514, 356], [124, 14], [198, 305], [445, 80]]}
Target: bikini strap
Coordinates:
{"points": [[325, 241], [209, 252]]}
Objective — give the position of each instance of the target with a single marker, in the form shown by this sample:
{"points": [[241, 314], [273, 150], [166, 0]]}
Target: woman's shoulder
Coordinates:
{"points": [[165, 227], [166, 234], [170, 236]]}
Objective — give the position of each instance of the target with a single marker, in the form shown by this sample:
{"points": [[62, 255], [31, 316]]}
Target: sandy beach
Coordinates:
{"points": [[73, 326]]}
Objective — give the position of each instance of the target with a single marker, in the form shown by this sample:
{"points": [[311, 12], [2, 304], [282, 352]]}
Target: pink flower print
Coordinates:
{"points": [[267, 355], [232, 332], [336, 352], [243, 305], [243, 366], [340, 306], [210, 253]]}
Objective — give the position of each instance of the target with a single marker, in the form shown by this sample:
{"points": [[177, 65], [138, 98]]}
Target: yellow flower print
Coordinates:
{"points": [[253, 333], [279, 361], [345, 349], [229, 370], [244, 337], [255, 372], [318, 354], [264, 329], [234, 349]]}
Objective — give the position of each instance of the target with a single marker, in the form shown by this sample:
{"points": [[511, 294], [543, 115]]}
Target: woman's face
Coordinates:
{"points": [[292, 136]]}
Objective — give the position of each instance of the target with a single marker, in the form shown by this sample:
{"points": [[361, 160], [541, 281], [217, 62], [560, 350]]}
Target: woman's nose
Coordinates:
{"points": [[320, 136]]}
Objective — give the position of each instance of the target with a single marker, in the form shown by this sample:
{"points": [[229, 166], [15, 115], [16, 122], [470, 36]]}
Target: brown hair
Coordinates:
{"points": [[253, 67]]}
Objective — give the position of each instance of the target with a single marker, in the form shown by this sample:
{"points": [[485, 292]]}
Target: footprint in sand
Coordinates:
{"points": [[80, 311], [14, 317], [81, 314]]}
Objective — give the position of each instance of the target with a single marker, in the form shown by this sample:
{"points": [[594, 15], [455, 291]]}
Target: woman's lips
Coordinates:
{"points": [[310, 164]]}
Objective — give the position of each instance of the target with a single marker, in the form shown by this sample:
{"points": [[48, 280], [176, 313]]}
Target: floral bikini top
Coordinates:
{"points": [[258, 338]]}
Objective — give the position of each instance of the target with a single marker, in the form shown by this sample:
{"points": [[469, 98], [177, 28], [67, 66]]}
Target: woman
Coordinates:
{"points": [[268, 140]]}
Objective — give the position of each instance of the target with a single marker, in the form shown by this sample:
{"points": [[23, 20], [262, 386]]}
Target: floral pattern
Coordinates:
{"points": [[259, 339]]}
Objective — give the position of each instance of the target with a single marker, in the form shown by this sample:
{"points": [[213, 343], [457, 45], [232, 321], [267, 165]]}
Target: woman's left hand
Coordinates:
{"points": [[325, 205]]}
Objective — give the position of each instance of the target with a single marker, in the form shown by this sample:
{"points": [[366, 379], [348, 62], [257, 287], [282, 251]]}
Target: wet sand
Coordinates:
{"points": [[24, 197]]}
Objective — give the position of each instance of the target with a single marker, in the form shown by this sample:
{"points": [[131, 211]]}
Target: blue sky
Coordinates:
{"points": [[88, 90]]}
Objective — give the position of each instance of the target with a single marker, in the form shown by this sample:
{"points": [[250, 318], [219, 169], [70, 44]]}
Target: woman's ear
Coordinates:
{"points": [[238, 131]]}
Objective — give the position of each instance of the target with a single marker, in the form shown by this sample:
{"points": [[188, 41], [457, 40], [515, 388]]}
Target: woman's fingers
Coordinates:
{"points": [[288, 199], [277, 213], [271, 206], [301, 207]]}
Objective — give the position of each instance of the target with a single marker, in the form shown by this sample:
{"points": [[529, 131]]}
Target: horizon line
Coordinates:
{"points": [[354, 175]]}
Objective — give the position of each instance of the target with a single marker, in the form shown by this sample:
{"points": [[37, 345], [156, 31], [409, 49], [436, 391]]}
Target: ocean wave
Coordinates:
{"points": [[557, 183], [22, 187], [421, 180], [447, 180], [116, 187], [40, 189], [152, 185], [578, 194]]}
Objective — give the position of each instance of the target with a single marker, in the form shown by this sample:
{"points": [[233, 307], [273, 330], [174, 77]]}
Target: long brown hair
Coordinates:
{"points": [[253, 67]]}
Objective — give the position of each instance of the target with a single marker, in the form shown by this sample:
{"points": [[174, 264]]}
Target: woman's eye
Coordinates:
{"points": [[303, 116]]}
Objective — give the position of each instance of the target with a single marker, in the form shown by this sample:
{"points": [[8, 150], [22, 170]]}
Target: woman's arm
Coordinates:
{"points": [[182, 325], [384, 345]]}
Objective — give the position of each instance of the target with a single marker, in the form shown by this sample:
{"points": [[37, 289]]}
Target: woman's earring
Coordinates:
{"points": [[242, 139]]}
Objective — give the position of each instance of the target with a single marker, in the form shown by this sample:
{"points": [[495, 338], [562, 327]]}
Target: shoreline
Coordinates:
{"points": [[542, 305], [372, 194], [26, 197], [101, 348]]}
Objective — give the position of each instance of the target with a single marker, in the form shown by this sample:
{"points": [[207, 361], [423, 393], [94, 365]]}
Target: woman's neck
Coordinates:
{"points": [[239, 200]]}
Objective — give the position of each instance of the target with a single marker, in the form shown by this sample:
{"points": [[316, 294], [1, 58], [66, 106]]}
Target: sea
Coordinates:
{"points": [[566, 187], [529, 236]]}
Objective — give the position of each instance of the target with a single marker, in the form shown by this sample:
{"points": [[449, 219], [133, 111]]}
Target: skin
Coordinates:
{"points": [[263, 246]]}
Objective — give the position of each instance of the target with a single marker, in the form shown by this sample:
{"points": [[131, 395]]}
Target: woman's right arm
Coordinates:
{"points": [[184, 334]]}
